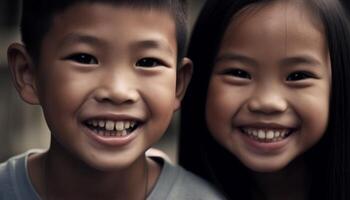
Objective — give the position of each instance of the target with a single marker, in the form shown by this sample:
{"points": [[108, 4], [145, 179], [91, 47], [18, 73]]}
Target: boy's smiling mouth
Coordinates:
{"points": [[111, 128]]}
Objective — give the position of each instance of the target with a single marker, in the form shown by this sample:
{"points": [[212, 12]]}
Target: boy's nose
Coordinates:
{"points": [[267, 101], [117, 89]]}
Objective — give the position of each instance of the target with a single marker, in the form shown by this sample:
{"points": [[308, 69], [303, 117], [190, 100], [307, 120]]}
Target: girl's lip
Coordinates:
{"points": [[262, 125], [264, 148], [114, 141]]}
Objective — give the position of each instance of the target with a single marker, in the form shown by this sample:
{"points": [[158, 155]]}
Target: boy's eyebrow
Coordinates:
{"points": [[82, 38], [236, 57], [145, 44], [152, 44]]}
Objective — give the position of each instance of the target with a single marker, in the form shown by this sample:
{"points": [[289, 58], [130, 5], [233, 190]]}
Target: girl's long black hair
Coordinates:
{"points": [[329, 160]]}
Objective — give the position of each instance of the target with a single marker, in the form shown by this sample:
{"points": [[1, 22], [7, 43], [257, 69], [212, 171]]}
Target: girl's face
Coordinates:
{"points": [[268, 96]]}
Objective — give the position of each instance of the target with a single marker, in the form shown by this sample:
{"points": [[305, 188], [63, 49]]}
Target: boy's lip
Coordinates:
{"points": [[113, 117], [115, 140], [118, 138], [111, 141]]}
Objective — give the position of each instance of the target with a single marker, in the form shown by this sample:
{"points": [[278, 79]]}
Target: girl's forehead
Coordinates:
{"points": [[279, 12], [273, 31]]}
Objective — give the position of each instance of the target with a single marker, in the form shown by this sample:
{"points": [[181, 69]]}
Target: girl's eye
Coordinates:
{"points": [[297, 76], [237, 73], [83, 58], [149, 62]]}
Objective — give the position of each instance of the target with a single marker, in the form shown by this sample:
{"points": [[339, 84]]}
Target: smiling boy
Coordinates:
{"points": [[108, 76]]}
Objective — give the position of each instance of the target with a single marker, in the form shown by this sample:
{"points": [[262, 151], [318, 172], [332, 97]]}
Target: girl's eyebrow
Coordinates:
{"points": [[230, 56], [289, 61], [300, 59]]}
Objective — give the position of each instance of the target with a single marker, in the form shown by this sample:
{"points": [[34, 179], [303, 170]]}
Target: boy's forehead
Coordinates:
{"points": [[94, 10], [82, 17], [90, 23]]}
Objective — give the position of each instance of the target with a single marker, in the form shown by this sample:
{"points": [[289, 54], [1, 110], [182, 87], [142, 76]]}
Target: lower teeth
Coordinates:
{"points": [[106, 133], [111, 133], [265, 139]]}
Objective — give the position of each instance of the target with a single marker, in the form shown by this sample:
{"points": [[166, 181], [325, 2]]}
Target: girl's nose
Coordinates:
{"points": [[267, 101], [117, 89]]}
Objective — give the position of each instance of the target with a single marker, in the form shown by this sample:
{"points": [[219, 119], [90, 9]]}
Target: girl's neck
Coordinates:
{"points": [[290, 183], [57, 175]]}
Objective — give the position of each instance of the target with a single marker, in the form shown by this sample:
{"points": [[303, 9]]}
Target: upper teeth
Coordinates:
{"points": [[110, 125], [266, 134]]}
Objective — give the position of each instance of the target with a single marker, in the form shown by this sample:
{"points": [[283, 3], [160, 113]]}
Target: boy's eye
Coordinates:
{"points": [[149, 62], [297, 76], [83, 58], [237, 73]]}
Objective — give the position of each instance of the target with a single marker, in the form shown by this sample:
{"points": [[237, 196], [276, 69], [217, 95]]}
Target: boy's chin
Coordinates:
{"points": [[110, 165]]}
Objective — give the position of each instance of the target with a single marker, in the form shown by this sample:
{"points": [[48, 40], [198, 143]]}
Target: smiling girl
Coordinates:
{"points": [[268, 106]]}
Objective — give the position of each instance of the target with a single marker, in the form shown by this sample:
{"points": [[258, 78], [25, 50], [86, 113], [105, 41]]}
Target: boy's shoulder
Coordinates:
{"points": [[14, 178], [175, 183]]}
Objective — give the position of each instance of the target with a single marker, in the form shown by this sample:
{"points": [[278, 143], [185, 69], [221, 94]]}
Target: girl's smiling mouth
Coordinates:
{"points": [[267, 139], [267, 135]]}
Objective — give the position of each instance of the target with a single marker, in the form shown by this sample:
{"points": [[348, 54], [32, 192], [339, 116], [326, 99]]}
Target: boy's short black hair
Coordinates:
{"points": [[37, 17]]}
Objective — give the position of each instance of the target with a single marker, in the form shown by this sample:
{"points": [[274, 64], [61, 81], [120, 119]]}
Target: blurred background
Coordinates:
{"points": [[22, 126]]}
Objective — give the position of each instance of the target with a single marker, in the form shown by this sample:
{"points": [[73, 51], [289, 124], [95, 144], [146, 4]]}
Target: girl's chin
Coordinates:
{"points": [[266, 169]]}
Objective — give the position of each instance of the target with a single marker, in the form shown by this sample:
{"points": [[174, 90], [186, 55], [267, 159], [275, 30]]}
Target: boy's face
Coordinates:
{"points": [[107, 81]]}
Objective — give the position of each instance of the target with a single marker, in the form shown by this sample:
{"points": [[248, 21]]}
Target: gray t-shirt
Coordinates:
{"points": [[174, 183]]}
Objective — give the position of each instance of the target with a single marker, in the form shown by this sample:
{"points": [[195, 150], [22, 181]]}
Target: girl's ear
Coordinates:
{"points": [[23, 72], [184, 74]]}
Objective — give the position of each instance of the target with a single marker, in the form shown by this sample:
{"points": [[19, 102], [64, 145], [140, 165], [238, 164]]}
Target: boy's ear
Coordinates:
{"points": [[23, 72], [184, 74]]}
